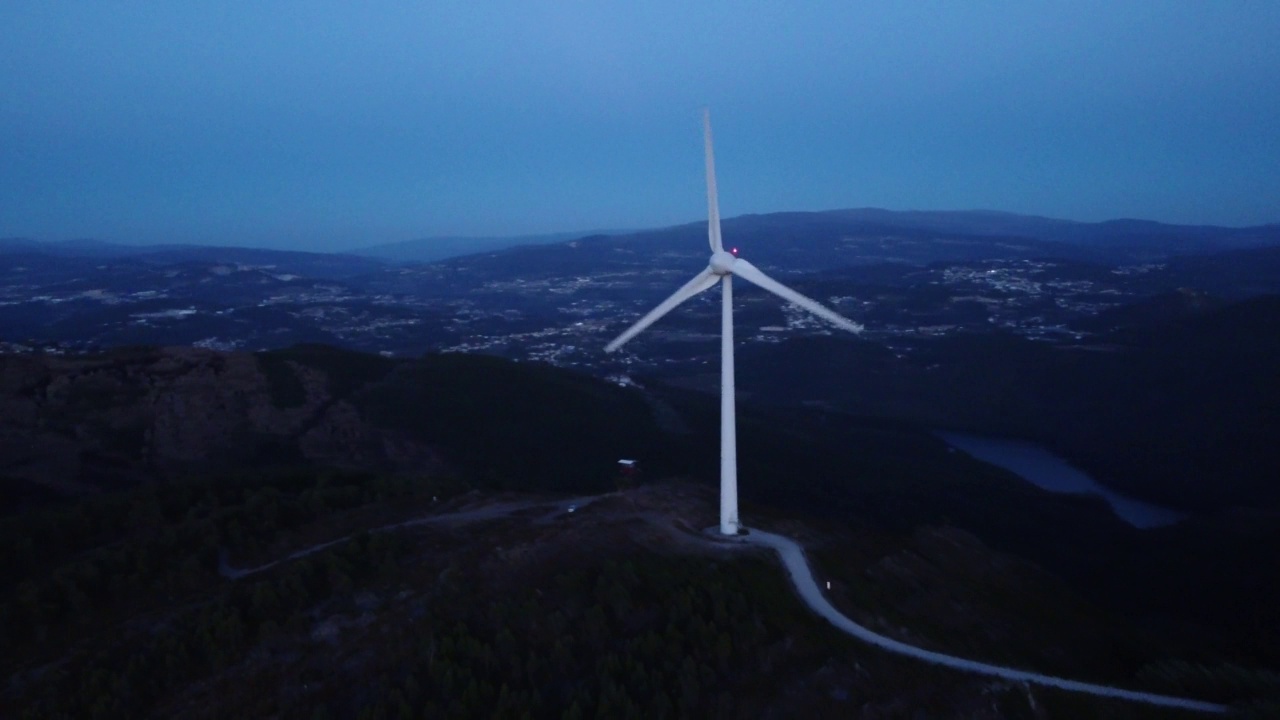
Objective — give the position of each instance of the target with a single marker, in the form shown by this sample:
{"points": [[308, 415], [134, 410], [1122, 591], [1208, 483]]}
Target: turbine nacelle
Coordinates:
{"points": [[722, 262]]}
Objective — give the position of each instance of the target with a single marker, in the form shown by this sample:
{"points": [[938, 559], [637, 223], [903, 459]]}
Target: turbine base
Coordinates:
{"points": [[715, 532]]}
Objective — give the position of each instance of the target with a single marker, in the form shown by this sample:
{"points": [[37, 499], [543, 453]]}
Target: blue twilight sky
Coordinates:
{"points": [[329, 125]]}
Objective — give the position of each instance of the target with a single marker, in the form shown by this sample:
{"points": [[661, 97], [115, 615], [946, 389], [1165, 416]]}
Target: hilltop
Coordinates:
{"points": [[620, 607], [240, 460]]}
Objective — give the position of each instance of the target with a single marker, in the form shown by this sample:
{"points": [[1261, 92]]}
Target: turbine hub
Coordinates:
{"points": [[722, 263]]}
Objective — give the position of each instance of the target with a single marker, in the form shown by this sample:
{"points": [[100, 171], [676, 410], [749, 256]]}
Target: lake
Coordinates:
{"points": [[1050, 472]]}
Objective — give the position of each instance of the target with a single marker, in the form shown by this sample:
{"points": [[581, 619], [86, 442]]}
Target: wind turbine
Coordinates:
{"points": [[723, 266]]}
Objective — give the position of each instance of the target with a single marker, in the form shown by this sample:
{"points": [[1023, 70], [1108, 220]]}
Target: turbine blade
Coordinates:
{"points": [[713, 201], [700, 282], [752, 274]]}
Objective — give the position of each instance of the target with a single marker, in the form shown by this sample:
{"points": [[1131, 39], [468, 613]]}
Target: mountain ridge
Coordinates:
{"points": [[1120, 233]]}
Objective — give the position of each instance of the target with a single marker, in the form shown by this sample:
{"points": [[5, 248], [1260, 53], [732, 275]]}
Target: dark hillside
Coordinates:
{"points": [[1235, 274], [1177, 403], [261, 456], [82, 424], [520, 425], [618, 608], [1200, 400], [1141, 318]]}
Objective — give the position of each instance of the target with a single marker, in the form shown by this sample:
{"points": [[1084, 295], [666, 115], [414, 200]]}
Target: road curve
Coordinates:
{"points": [[802, 577]]}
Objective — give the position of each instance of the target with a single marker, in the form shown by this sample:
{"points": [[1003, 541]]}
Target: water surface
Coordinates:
{"points": [[1042, 468]]}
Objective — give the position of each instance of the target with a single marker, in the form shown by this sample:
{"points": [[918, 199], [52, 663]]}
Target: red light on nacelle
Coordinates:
{"points": [[734, 251]]}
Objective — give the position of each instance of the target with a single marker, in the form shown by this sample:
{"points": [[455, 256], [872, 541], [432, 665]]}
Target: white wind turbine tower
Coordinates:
{"points": [[723, 266]]}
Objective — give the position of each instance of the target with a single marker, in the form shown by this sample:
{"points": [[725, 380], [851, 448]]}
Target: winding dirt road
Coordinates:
{"points": [[802, 578], [471, 514]]}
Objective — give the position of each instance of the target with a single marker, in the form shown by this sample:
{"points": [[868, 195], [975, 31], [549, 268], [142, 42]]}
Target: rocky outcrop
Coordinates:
{"points": [[76, 424]]}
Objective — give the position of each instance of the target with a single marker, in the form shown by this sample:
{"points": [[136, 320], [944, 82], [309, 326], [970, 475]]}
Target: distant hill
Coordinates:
{"points": [[855, 236], [67, 248], [799, 242], [822, 241], [1115, 235], [319, 265], [439, 248]]}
